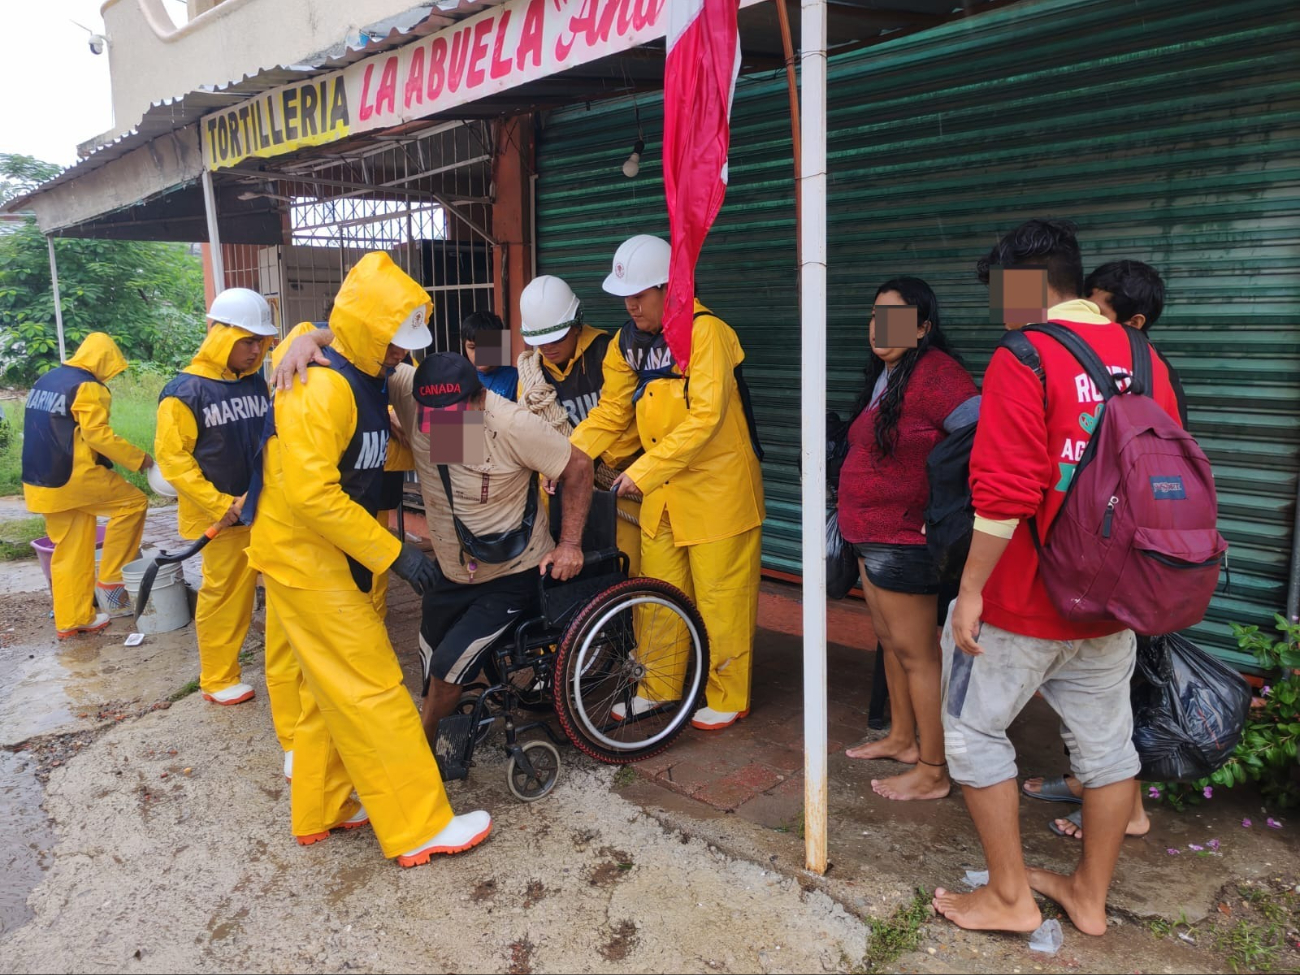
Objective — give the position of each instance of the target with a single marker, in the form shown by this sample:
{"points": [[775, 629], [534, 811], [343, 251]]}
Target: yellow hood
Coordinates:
{"points": [[375, 299], [100, 356], [586, 336], [213, 355]]}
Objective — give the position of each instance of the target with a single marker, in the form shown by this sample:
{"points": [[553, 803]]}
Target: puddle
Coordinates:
{"points": [[25, 839]]}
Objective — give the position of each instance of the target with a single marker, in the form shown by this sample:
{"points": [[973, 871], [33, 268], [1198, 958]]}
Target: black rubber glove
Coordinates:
{"points": [[416, 568]]}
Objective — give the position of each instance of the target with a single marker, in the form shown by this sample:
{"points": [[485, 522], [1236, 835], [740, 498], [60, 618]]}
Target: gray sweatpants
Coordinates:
{"points": [[1086, 682]]}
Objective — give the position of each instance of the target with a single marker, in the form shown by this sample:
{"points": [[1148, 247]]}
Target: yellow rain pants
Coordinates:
{"points": [[359, 724], [72, 568], [225, 608], [283, 676], [722, 579]]}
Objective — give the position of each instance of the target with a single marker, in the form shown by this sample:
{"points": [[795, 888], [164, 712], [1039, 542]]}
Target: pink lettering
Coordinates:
{"points": [[500, 67], [530, 40], [414, 91], [459, 54], [478, 52], [584, 20], [365, 111], [437, 64], [387, 91], [647, 12]]}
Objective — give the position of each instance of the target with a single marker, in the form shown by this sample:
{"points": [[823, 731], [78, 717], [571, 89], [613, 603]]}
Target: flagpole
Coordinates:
{"points": [[812, 195], [787, 43]]}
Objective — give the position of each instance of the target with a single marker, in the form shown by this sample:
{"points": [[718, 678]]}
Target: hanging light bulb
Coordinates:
{"points": [[633, 164]]}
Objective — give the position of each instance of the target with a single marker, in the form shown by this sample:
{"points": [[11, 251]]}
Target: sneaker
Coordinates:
{"points": [[231, 695], [459, 835], [288, 765], [640, 705], [100, 621], [113, 599], [358, 819], [707, 719]]}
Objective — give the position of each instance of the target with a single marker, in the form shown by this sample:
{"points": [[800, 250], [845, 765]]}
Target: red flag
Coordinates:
{"points": [[699, 82]]}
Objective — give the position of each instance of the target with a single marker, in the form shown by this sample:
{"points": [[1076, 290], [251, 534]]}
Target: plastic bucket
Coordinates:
{"points": [[44, 549], [169, 607]]}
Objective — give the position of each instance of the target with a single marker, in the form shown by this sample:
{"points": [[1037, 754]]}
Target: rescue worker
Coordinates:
{"points": [[702, 511], [317, 543], [560, 378], [68, 454], [210, 421]]}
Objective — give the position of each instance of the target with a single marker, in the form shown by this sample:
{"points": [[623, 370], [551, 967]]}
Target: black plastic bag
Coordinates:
{"points": [[841, 560], [950, 515], [1188, 710]]}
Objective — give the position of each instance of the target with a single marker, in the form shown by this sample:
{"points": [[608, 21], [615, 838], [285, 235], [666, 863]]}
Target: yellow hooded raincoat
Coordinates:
{"points": [[359, 727], [225, 605], [92, 490]]}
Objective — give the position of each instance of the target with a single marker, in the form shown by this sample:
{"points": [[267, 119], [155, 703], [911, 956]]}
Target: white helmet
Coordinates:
{"points": [[244, 309], [548, 308], [159, 484], [413, 333], [640, 262]]}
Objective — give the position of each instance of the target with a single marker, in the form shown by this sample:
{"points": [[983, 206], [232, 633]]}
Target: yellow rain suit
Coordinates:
{"points": [[359, 727], [624, 448], [225, 606], [702, 513], [91, 491]]}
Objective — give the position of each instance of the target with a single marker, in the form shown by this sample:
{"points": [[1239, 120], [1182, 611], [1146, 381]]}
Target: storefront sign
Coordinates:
{"points": [[499, 49]]}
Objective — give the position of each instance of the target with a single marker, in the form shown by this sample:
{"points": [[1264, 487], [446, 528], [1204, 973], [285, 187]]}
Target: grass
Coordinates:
{"points": [[134, 417], [185, 691], [16, 537], [897, 935], [624, 777], [1256, 944]]}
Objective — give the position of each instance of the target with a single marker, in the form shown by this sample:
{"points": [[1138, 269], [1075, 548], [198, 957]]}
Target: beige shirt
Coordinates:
{"points": [[489, 497]]}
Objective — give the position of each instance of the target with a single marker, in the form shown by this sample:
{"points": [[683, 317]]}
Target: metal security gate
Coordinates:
{"points": [[1167, 130], [424, 198]]}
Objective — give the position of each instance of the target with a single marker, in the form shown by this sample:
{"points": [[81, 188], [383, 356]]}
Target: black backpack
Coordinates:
{"points": [[950, 515]]}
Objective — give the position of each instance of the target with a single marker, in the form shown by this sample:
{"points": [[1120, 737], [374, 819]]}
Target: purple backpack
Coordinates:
{"points": [[1135, 541]]}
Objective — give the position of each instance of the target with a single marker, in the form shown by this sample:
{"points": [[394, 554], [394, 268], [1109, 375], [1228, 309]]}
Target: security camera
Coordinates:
{"points": [[97, 43]]}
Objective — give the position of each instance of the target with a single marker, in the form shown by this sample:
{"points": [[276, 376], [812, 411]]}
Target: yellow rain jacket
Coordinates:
{"points": [[200, 503], [90, 482], [305, 522], [699, 464]]}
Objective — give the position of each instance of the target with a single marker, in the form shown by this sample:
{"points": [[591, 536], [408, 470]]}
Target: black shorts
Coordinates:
{"points": [[899, 568], [461, 620]]}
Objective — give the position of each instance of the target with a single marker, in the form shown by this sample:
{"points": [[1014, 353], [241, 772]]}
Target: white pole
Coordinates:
{"points": [[812, 303], [58, 302], [214, 235]]}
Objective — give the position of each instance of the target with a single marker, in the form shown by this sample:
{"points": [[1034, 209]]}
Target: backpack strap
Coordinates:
{"points": [[1023, 349], [1143, 381], [1096, 369]]}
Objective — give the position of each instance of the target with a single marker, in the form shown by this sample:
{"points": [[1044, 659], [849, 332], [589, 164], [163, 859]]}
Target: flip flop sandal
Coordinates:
{"points": [[1054, 790], [1075, 817]]}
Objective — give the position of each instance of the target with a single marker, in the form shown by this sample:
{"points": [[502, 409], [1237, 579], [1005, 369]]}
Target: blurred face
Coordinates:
{"points": [[245, 355], [891, 347], [562, 350], [646, 309], [393, 356]]}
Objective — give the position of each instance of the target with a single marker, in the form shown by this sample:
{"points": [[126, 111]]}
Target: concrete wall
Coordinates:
{"points": [[152, 59]]}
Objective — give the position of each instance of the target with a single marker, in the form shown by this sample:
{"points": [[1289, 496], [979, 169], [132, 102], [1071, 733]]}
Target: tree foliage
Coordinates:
{"points": [[20, 174], [147, 295]]}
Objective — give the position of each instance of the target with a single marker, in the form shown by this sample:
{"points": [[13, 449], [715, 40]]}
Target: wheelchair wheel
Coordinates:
{"points": [[638, 637], [545, 760]]}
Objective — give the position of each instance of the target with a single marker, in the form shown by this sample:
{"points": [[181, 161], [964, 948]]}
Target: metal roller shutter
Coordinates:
{"points": [[1167, 130]]}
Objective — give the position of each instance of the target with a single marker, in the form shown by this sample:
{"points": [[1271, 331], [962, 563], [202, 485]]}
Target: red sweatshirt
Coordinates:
{"points": [[1025, 454], [883, 499]]}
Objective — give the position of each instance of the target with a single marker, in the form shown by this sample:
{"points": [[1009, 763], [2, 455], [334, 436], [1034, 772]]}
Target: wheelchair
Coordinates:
{"points": [[596, 641]]}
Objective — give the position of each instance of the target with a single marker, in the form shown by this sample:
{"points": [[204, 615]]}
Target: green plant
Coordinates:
{"points": [[1251, 947], [185, 691], [624, 777], [899, 934], [16, 537], [1267, 751]]}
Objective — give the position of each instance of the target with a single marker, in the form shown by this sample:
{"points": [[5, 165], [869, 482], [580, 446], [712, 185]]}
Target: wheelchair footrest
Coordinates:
{"points": [[452, 746]]}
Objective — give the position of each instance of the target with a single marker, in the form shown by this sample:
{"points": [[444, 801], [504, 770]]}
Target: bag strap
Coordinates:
{"points": [[1082, 352], [1142, 382], [1023, 349]]}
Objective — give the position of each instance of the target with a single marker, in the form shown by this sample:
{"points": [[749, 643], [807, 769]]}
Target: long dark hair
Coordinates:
{"points": [[916, 292]]}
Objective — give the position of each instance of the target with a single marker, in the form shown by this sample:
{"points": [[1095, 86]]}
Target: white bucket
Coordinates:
{"points": [[169, 608]]}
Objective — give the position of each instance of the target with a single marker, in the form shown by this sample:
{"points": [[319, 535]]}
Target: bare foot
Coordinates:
{"points": [[922, 782], [1087, 913], [1034, 786], [1137, 826], [903, 750], [984, 910]]}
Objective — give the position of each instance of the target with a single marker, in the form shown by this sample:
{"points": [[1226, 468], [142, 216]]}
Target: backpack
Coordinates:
{"points": [[950, 515], [1135, 541]]}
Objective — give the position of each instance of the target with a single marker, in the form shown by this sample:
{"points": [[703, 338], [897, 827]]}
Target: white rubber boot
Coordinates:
{"points": [[100, 621], [707, 719], [462, 833], [640, 705], [231, 695]]}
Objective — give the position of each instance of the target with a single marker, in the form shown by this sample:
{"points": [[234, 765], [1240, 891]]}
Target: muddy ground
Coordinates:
{"points": [[146, 834]]}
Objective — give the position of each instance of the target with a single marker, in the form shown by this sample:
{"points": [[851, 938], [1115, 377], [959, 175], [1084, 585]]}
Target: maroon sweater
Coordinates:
{"points": [[883, 499]]}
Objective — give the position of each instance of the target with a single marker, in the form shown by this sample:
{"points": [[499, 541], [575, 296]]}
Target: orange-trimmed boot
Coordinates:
{"points": [[357, 820], [462, 833], [237, 694], [100, 621], [707, 719]]}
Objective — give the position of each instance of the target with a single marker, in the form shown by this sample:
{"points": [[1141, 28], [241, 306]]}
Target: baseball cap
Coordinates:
{"points": [[445, 379]]}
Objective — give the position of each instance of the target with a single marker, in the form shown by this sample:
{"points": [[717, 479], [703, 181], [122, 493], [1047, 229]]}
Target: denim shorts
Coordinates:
{"points": [[899, 568]]}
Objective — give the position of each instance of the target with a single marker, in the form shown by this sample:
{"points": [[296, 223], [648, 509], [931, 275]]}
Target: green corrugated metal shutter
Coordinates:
{"points": [[1167, 130]]}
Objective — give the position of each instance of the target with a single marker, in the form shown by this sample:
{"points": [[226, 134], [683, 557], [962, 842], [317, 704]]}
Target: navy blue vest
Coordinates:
{"points": [[230, 415], [579, 391], [48, 426], [361, 468]]}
